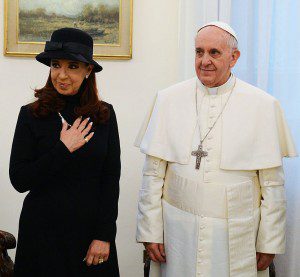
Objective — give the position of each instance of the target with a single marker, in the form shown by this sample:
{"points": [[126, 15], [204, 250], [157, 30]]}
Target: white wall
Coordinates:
{"points": [[129, 85]]}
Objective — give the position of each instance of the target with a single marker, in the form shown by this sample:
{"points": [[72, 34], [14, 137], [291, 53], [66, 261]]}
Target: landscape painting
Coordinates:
{"points": [[99, 18], [30, 23]]}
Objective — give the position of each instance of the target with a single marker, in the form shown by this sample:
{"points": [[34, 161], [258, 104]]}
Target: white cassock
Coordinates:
{"points": [[212, 220]]}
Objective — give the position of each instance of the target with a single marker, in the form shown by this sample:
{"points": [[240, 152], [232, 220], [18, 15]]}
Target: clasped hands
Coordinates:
{"points": [[156, 252], [77, 135]]}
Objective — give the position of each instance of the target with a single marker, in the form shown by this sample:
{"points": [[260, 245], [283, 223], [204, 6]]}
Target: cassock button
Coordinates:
{"points": [[155, 162]]}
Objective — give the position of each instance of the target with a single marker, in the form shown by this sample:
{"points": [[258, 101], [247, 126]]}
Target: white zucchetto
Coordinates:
{"points": [[221, 25]]}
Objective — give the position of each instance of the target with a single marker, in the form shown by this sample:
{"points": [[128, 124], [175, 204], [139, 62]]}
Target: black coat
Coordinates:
{"points": [[72, 199]]}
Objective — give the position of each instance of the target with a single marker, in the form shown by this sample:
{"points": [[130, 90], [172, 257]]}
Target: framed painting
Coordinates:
{"points": [[29, 23]]}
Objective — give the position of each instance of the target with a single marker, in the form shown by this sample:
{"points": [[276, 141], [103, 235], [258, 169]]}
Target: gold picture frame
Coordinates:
{"points": [[22, 37]]}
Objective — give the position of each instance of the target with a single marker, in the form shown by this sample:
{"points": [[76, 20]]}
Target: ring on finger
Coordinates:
{"points": [[86, 140], [100, 260]]}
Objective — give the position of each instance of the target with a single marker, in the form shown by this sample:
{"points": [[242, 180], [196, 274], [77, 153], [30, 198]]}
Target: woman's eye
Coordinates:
{"points": [[73, 66], [55, 65]]}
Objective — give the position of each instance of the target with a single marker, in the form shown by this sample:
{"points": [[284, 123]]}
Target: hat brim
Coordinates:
{"points": [[46, 57]]}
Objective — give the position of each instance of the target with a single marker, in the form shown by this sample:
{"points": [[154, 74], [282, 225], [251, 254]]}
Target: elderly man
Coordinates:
{"points": [[212, 201]]}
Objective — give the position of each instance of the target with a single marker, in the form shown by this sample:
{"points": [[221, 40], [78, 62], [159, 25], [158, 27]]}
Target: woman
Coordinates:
{"points": [[66, 153]]}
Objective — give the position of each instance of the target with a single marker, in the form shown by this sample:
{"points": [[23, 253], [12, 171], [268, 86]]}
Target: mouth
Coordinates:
{"points": [[208, 70], [63, 85]]}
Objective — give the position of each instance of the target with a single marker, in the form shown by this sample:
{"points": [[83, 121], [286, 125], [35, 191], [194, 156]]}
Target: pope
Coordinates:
{"points": [[212, 200]]}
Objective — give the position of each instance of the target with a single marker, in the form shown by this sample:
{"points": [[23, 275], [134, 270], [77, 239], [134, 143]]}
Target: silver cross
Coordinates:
{"points": [[199, 154]]}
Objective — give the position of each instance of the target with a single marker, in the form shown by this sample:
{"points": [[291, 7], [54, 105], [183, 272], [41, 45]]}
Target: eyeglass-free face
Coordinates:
{"points": [[67, 76], [214, 57]]}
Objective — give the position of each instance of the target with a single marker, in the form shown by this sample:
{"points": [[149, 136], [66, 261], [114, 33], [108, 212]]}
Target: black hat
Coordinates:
{"points": [[70, 44]]}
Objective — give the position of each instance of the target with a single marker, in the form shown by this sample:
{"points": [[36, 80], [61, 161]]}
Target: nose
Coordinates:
{"points": [[62, 73], [206, 60]]}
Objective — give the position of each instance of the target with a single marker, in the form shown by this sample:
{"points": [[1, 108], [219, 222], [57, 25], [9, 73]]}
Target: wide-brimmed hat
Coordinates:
{"points": [[70, 44]]}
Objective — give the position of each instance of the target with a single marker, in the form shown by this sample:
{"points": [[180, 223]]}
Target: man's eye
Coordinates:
{"points": [[199, 52], [214, 52]]}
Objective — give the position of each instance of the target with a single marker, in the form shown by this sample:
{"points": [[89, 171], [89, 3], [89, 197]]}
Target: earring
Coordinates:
{"points": [[86, 76]]}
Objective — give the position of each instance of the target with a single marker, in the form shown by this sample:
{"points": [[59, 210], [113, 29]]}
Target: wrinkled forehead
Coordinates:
{"points": [[212, 36]]}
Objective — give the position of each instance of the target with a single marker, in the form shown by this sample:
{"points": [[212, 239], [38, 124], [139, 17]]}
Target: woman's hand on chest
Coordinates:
{"points": [[77, 135]]}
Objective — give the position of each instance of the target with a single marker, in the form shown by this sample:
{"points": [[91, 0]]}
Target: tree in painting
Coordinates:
{"points": [[39, 18]]}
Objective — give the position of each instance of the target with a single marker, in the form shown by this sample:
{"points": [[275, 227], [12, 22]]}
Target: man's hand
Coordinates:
{"points": [[156, 251], [263, 260], [97, 250]]}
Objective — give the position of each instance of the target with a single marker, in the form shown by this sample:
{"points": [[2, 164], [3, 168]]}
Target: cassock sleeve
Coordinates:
{"points": [[271, 232], [26, 169], [109, 181], [149, 219]]}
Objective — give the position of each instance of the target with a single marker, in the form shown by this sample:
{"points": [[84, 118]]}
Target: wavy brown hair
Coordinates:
{"points": [[49, 101]]}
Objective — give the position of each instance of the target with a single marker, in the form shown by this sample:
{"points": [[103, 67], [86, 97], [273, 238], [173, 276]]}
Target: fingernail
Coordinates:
{"points": [[88, 118], [92, 133], [91, 123]]}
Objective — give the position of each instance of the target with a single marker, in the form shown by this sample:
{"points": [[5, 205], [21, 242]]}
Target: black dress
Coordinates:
{"points": [[72, 199]]}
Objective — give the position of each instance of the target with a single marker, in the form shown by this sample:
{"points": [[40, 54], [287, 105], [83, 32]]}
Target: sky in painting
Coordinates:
{"points": [[63, 7]]}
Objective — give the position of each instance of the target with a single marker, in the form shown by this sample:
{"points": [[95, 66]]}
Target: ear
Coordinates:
{"points": [[90, 68], [234, 57]]}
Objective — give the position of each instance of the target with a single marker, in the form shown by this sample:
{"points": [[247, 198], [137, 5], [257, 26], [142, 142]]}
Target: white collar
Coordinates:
{"points": [[217, 90]]}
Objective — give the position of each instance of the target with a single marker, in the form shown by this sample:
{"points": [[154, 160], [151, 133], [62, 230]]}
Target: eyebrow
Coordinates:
{"points": [[212, 49]]}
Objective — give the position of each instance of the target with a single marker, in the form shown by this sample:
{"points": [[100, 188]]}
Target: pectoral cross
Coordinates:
{"points": [[199, 154]]}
